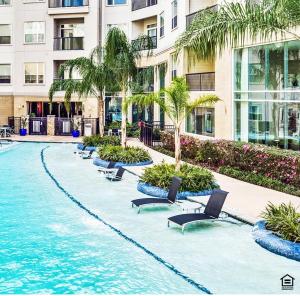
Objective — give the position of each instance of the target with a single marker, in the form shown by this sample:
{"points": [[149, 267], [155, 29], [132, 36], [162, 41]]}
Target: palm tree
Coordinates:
{"points": [[234, 23], [96, 77], [121, 56], [177, 105]]}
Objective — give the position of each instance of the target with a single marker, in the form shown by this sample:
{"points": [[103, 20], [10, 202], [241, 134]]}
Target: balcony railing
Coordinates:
{"points": [[68, 43], [139, 4], [68, 3], [145, 43], [201, 81], [190, 17]]}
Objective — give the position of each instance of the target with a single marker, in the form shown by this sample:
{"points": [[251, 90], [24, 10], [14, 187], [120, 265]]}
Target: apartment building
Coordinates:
{"points": [[259, 84], [36, 37]]}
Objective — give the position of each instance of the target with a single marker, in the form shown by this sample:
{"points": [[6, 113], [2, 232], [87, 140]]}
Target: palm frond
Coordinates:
{"points": [[235, 22], [205, 101]]}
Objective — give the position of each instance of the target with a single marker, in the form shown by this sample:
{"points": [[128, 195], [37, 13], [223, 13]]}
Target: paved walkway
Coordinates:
{"points": [[245, 200]]}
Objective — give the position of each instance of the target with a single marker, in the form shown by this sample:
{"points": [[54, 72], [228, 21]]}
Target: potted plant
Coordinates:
{"points": [[75, 132], [23, 130]]}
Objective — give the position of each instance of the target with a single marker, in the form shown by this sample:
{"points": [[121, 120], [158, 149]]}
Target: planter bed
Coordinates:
{"points": [[103, 163], [88, 148], [162, 193], [273, 243]]}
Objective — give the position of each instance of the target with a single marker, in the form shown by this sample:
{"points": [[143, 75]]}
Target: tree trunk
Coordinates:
{"points": [[177, 148], [124, 121], [101, 115]]}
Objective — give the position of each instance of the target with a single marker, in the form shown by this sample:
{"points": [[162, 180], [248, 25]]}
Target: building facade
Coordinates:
{"points": [[259, 84]]}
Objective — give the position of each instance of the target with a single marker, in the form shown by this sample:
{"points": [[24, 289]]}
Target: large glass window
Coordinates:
{"points": [[5, 34], [5, 2], [34, 32], [201, 121], [267, 94]]}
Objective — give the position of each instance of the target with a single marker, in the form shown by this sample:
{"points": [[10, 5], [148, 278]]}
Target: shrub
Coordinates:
{"points": [[194, 179], [259, 180], [133, 130], [270, 162], [120, 154], [96, 140], [284, 221]]}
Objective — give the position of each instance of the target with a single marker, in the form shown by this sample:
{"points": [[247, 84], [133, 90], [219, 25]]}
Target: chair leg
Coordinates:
{"points": [[139, 210], [168, 223], [182, 229]]}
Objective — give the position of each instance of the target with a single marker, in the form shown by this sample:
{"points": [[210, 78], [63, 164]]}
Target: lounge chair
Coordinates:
{"points": [[116, 175], [211, 212], [80, 150], [85, 155], [170, 200], [108, 169]]}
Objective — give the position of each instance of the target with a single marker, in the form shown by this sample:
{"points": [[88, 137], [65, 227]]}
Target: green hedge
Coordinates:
{"points": [[96, 140], [120, 154], [260, 180], [283, 220], [194, 179]]}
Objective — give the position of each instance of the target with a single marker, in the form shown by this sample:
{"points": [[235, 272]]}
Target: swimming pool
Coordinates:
{"points": [[64, 229]]}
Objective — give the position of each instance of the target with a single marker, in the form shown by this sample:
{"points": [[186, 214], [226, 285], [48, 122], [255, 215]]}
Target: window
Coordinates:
{"points": [[174, 14], [4, 2], [34, 73], [34, 32], [162, 24], [201, 121], [5, 34], [5, 75], [173, 66], [116, 2]]}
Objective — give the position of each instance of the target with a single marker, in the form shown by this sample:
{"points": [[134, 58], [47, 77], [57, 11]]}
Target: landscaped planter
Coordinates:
{"points": [[162, 193], [104, 163], [268, 240], [88, 148]]}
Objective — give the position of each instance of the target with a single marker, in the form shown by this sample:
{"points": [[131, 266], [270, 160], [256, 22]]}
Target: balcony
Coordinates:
{"points": [[139, 4], [145, 43], [68, 6], [68, 43], [201, 81], [190, 17]]}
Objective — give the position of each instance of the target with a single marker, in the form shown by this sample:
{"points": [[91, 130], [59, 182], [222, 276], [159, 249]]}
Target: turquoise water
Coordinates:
{"points": [[48, 244]]}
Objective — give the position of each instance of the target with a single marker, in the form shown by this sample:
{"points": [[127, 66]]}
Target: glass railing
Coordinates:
{"points": [[67, 3], [190, 17], [68, 43], [146, 43], [139, 4], [201, 81]]}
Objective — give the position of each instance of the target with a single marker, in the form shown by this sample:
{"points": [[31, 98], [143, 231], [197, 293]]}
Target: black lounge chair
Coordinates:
{"points": [[87, 155], [108, 169], [211, 212], [116, 176], [170, 200]]}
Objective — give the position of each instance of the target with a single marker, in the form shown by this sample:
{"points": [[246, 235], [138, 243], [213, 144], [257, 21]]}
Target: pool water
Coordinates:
{"points": [[64, 229]]}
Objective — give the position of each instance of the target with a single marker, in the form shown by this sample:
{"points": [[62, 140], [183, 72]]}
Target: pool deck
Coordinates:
{"points": [[245, 200], [46, 139]]}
